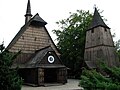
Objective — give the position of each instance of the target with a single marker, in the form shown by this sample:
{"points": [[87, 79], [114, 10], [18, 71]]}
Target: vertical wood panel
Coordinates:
{"points": [[32, 39], [40, 76], [99, 46]]}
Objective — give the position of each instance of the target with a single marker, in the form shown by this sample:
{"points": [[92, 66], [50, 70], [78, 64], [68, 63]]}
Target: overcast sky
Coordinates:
{"points": [[12, 14]]}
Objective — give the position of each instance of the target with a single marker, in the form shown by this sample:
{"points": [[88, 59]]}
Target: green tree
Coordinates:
{"points": [[9, 79], [117, 45], [71, 39]]}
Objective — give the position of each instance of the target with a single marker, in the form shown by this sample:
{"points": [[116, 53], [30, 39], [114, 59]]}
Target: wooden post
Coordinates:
{"points": [[40, 77], [62, 75]]}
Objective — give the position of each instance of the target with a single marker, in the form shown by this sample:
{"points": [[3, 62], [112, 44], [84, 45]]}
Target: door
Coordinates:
{"points": [[50, 75]]}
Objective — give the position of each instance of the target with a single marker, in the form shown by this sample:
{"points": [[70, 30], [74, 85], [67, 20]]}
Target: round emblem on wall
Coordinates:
{"points": [[51, 59]]}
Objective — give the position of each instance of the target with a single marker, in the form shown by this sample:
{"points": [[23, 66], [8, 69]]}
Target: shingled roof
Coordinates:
{"points": [[97, 21], [37, 18], [37, 57]]}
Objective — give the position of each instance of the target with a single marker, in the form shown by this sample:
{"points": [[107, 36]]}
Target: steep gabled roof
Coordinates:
{"points": [[17, 36], [97, 21], [36, 19], [23, 28], [38, 56]]}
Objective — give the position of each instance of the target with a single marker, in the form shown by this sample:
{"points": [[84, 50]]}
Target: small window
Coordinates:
{"points": [[92, 31], [23, 37], [98, 37], [105, 29], [48, 40], [49, 52], [35, 39]]}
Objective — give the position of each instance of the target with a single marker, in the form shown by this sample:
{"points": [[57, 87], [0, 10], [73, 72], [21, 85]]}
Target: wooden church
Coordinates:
{"points": [[39, 62], [99, 44]]}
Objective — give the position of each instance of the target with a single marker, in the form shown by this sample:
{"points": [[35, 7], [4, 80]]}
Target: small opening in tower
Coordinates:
{"points": [[23, 37], [48, 40], [105, 29], [92, 31], [35, 39]]}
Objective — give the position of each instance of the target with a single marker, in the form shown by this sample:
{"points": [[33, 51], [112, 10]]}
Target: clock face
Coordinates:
{"points": [[51, 59]]}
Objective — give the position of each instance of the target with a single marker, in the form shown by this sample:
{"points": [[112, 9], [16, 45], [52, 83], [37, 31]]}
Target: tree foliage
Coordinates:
{"points": [[71, 39], [9, 79], [117, 45]]}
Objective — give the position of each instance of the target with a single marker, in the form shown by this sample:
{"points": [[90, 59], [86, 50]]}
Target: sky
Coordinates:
{"points": [[12, 14]]}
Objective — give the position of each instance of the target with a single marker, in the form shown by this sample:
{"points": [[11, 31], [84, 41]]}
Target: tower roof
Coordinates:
{"points": [[97, 20], [28, 10], [38, 19]]}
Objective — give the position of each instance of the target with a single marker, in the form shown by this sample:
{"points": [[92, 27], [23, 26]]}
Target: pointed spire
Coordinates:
{"points": [[97, 20], [28, 14]]}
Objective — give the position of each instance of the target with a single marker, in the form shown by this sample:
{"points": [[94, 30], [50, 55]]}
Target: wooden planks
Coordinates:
{"points": [[99, 46], [32, 39]]}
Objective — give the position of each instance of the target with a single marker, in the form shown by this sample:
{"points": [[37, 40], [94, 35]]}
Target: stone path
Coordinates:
{"points": [[71, 85]]}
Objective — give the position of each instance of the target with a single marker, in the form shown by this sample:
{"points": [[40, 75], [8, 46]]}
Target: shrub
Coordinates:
{"points": [[9, 79], [93, 80]]}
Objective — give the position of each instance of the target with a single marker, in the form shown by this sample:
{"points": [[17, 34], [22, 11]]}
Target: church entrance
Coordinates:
{"points": [[50, 75]]}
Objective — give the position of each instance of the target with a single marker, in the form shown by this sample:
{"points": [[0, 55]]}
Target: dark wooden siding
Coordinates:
{"points": [[33, 38], [99, 46], [98, 37], [45, 59], [29, 76]]}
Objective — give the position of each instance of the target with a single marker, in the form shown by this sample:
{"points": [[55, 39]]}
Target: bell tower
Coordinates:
{"points": [[99, 43]]}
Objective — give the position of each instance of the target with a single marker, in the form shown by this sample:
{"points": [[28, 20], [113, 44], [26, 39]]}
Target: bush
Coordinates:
{"points": [[9, 79], [93, 80], [113, 73]]}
